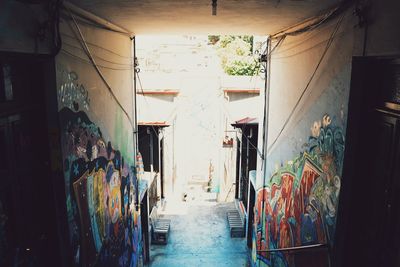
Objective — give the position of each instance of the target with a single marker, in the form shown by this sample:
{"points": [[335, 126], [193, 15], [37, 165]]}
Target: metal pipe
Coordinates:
{"points": [[266, 127], [135, 63], [96, 19], [295, 248]]}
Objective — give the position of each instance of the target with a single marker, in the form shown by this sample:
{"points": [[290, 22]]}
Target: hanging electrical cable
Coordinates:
{"points": [[328, 45], [295, 44], [260, 154], [90, 63], [99, 57], [314, 22], [99, 72], [145, 99], [65, 35]]}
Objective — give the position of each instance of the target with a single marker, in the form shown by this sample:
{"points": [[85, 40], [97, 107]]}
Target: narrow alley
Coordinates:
{"points": [[207, 133], [199, 236]]}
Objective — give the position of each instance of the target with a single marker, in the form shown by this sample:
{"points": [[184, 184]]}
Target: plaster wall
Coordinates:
{"points": [[298, 203]]}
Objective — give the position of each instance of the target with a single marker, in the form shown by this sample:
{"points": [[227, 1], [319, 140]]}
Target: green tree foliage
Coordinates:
{"points": [[236, 54]]}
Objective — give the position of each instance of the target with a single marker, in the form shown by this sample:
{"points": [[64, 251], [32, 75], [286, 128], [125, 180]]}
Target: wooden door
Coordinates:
{"points": [[368, 221]]}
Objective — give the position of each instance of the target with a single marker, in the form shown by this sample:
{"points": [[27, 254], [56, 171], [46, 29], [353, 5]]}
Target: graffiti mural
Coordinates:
{"points": [[103, 216], [72, 93], [298, 205]]}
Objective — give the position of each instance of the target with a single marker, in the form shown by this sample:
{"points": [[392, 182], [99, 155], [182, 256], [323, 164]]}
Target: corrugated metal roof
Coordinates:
{"points": [[245, 121], [159, 92], [154, 123], [242, 90]]}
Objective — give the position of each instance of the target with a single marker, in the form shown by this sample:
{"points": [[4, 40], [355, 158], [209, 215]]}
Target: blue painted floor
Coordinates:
{"points": [[199, 236]]}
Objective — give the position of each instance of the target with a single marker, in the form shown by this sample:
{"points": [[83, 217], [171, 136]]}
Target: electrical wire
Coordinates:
{"points": [[90, 63], [53, 24], [99, 57], [314, 22], [330, 41], [267, 72], [96, 45], [280, 41], [296, 43], [251, 143], [145, 99], [88, 53], [309, 48], [319, 21], [248, 140]]}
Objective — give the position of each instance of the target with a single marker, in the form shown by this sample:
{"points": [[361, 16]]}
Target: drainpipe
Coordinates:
{"points": [[248, 155], [267, 60], [134, 117], [151, 152], [135, 65]]}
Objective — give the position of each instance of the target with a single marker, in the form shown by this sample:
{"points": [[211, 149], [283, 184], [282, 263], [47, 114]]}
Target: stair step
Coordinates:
{"points": [[236, 224]]}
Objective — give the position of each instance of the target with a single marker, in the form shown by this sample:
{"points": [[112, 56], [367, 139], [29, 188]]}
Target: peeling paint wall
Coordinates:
{"points": [[98, 147], [297, 205]]}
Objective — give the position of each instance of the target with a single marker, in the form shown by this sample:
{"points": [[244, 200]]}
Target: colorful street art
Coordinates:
{"points": [[298, 204], [103, 216]]}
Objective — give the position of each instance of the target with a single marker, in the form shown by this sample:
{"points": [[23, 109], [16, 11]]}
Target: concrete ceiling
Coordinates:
{"points": [[257, 17]]}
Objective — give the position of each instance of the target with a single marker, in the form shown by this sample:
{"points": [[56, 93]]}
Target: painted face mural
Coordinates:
{"points": [[299, 204], [104, 225], [114, 205]]}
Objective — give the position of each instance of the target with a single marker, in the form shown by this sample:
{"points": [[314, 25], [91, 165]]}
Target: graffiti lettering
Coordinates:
{"points": [[71, 93]]}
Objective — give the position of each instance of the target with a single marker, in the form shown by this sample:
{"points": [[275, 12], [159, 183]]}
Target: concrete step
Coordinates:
{"points": [[236, 224]]}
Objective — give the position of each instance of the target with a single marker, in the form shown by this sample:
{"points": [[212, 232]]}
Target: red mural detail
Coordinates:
{"points": [[308, 177], [284, 207]]}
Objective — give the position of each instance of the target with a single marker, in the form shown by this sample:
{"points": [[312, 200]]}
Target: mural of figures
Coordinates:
{"points": [[101, 189], [298, 205]]}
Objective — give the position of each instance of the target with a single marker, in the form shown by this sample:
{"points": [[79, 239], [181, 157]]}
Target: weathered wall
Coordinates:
{"points": [[298, 203], [98, 147], [160, 108], [20, 28]]}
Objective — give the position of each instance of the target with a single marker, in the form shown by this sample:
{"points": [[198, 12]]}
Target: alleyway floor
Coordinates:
{"points": [[199, 236]]}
